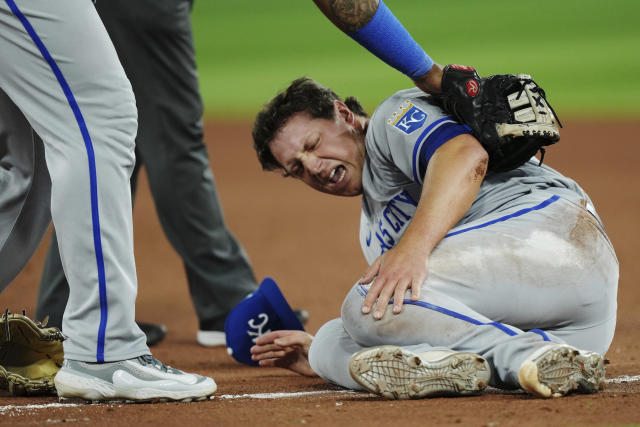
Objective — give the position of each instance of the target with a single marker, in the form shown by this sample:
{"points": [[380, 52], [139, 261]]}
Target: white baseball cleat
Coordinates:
{"points": [[143, 379], [394, 373], [556, 370]]}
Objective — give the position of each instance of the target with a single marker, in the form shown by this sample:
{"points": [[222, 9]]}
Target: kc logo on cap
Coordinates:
{"points": [[263, 311]]}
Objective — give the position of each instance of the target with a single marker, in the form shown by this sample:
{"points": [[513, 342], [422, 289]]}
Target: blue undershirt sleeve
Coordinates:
{"points": [[386, 38], [437, 138]]}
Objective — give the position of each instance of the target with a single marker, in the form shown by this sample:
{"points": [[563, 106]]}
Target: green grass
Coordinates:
{"points": [[585, 53]]}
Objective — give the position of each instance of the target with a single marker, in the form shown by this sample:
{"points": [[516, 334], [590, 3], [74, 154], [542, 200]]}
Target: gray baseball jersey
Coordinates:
{"points": [[527, 265], [403, 134], [68, 109]]}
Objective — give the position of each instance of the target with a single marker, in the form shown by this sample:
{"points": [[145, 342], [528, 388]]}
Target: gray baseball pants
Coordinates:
{"points": [[154, 41], [68, 109]]}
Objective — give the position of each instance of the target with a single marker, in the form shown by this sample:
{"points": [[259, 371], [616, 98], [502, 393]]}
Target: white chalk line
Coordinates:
{"points": [[20, 408], [281, 395], [623, 379], [6, 408]]}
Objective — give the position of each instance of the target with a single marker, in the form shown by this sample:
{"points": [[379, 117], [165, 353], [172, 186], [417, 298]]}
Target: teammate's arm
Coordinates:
{"points": [[451, 183], [372, 24]]}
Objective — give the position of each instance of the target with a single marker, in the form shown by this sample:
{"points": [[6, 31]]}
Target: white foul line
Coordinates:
{"points": [[281, 395], [623, 379], [3, 409]]}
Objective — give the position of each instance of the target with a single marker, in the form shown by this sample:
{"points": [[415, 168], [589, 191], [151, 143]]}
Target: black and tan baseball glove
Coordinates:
{"points": [[509, 114], [30, 355]]}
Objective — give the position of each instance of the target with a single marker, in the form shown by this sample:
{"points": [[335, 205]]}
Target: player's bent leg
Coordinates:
{"points": [[330, 352], [544, 262], [438, 321], [397, 373], [557, 370], [536, 360], [340, 360], [139, 379]]}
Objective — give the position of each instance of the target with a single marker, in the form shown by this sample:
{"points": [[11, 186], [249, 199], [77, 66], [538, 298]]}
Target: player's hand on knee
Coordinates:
{"points": [[394, 272], [284, 349]]}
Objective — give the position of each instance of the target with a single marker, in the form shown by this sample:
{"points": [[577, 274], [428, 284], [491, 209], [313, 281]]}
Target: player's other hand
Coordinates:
{"points": [[284, 349], [401, 268]]}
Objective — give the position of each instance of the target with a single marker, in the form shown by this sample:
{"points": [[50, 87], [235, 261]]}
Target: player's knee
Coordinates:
{"points": [[366, 330]]}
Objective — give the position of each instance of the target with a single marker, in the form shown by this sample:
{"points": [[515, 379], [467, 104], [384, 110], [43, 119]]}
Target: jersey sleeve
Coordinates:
{"points": [[407, 130]]}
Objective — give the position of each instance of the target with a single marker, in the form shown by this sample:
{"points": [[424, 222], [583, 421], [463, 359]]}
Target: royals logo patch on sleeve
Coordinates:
{"points": [[408, 118]]}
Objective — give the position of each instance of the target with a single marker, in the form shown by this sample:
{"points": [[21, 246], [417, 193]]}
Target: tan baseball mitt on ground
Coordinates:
{"points": [[30, 355]]}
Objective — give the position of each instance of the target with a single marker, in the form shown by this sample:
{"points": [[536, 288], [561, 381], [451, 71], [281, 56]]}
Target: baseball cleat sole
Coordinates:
{"points": [[557, 370], [394, 373]]}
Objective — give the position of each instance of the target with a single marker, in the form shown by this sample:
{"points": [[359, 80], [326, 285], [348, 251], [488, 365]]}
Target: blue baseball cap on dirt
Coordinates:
{"points": [[262, 311]]}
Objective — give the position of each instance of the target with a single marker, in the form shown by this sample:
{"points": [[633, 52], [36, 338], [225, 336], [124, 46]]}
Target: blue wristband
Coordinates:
{"points": [[386, 38]]}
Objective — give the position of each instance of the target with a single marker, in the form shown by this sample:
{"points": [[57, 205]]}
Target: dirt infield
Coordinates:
{"points": [[308, 242]]}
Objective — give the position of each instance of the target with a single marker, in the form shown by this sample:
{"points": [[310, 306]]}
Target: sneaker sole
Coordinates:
{"points": [[70, 385], [394, 373], [561, 370]]}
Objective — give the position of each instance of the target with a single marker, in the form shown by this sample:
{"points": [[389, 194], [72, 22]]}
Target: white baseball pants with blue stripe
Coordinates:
{"points": [[61, 78], [541, 271]]}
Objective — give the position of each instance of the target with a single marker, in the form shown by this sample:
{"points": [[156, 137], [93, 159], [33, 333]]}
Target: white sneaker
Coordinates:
{"points": [[211, 338], [395, 373], [556, 370], [144, 378]]}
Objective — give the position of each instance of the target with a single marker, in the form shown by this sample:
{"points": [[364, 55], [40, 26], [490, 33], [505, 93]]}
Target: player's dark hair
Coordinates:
{"points": [[302, 95]]}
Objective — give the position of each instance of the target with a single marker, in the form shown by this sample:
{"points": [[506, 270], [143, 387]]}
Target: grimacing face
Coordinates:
{"points": [[327, 155]]}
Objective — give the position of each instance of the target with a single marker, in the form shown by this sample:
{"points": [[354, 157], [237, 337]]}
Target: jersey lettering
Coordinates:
{"points": [[384, 245], [406, 198], [391, 210], [393, 218]]}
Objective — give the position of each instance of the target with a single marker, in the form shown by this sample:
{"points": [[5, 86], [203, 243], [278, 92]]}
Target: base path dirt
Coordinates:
{"points": [[308, 242]]}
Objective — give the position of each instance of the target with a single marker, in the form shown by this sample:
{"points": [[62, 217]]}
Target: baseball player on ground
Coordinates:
{"points": [[475, 278], [66, 106]]}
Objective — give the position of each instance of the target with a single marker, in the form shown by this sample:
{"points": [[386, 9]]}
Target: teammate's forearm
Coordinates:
{"points": [[451, 183], [372, 24], [348, 15]]}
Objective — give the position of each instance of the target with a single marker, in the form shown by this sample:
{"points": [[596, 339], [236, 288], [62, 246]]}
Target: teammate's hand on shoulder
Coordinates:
{"points": [[284, 349], [431, 82], [403, 267]]}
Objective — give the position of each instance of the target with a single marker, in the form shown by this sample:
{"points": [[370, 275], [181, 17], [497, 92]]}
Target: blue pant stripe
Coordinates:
{"points": [[92, 171], [460, 316], [542, 333], [451, 313], [506, 217]]}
